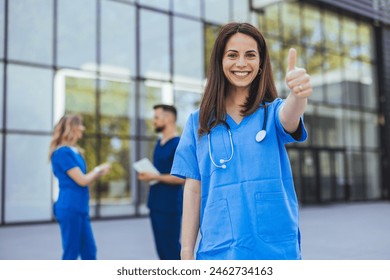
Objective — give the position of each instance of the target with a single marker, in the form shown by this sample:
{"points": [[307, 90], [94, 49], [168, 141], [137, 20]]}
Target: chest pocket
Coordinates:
{"points": [[220, 148]]}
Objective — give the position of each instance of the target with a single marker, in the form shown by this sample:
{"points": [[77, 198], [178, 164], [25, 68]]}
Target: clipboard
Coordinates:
{"points": [[145, 165]]}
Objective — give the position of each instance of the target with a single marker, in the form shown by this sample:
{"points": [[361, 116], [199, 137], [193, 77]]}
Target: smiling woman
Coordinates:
{"points": [[239, 190]]}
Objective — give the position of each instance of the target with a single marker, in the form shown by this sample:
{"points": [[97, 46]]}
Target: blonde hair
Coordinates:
{"points": [[64, 131]]}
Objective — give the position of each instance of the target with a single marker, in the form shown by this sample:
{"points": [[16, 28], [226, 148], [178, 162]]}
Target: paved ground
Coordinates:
{"points": [[335, 232]]}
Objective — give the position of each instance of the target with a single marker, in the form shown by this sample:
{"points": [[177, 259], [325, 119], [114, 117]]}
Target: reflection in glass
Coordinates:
{"points": [[327, 176], [30, 30], [295, 167], [188, 51], [217, 11], [28, 196], [211, 34], [371, 130], [271, 20], [312, 27], [328, 130], [350, 42], [1, 173], [372, 175], [368, 86], [314, 60], [80, 98], [290, 17], [332, 32], [341, 178], [118, 48], [160, 4], [154, 45], [188, 7], [356, 176], [352, 83], [1, 94], [274, 49], [76, 49], [186, 102], [333, 78], [29, 98], [117, 108], [146, 150], [151, 94], [352, 128], [2, 16], [309, 178], [366, 36]]}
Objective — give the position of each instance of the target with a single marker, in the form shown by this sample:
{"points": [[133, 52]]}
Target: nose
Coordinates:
{"points": [[241, 62]]}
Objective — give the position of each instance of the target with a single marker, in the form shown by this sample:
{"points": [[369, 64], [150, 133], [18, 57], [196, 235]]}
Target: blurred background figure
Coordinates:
{"points": [[72, 207], [166, 196]]}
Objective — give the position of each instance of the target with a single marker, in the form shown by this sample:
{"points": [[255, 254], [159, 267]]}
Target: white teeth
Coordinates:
{"points": [[242, 74]]}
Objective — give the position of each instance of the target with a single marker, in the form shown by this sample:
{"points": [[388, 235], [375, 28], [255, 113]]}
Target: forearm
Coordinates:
{"points": [[291, 112], [169, 179], [190, 223]]}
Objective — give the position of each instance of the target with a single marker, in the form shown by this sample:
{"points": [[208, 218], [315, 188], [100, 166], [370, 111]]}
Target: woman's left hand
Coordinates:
{"points": [[297, 80]]}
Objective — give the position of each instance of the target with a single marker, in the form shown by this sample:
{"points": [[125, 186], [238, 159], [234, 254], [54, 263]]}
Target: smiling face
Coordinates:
{"points": [[241, 60]]}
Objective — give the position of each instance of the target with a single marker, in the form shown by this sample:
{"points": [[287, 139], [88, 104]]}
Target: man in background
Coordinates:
{"points": [[166, 196]]}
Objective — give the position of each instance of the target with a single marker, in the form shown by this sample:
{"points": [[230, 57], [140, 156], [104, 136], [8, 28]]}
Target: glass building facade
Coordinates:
{"points": [[112, 60]]}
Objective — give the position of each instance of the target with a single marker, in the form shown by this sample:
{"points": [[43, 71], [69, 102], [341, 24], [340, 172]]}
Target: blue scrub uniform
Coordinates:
{"points": [[248, 210], [72, 207], [165, 203]]}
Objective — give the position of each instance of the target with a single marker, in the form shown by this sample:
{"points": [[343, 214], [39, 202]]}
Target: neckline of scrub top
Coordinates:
{"points": [[237, 126], [169, 140]]}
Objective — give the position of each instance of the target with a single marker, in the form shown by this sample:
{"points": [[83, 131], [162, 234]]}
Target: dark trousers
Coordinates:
{"points": [[77, 236], [166, 231]]}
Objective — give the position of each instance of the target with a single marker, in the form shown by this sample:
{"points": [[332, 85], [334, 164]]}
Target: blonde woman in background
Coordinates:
{"points": [[72, 207]]}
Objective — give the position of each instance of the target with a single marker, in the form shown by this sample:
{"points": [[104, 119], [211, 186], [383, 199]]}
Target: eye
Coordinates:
{"points": [[251, 55], [232, 55]]}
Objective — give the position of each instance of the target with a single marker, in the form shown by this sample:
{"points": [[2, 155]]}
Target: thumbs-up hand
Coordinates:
{"points": [[297, 80]]}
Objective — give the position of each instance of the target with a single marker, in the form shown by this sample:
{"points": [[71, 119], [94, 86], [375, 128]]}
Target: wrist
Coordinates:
{"points": [[98, 170]]}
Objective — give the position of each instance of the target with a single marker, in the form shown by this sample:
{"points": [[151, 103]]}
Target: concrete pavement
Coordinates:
{"points": [[351, 231]]}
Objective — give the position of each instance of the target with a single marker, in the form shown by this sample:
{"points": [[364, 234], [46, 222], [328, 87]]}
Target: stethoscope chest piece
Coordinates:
{"points": [[261, 135]]}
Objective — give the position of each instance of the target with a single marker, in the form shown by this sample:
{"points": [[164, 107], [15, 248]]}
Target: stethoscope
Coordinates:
{"points": [[259, 137]]}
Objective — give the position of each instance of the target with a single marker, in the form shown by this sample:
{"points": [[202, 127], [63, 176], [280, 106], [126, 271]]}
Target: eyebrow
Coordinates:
{"points": [[250, 51]]}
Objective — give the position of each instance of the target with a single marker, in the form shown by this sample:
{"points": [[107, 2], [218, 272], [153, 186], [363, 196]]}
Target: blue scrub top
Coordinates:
{"points": [[72, 196], [165, 197], [248, 210]]}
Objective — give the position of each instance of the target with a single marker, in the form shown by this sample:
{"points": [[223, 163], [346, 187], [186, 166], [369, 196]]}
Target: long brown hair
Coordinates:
{"points": [[64, 131], [213, 108]]}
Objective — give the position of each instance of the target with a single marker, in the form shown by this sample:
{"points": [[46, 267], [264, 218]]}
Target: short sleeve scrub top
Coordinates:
{"points": [[249, 210]]}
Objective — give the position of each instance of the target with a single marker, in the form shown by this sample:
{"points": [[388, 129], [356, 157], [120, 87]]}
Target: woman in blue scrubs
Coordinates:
{"points": [[239, 191], [72, 207]]}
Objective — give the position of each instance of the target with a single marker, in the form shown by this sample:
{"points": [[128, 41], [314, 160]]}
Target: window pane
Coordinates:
{"points": [[370, 130], [2, 28], [115, 188], [186, 102], [241, 11], [151, 94], [31, 31], [146, 150], [271, 20], [188, 7], [355, 166], [77, 33], [275, 51], [80, 98], [211, 34], [1, 94], [1, 172], [349, 35], [314, 60], [326, 176], [117, 107], [160, 4], [29, 98], [290, 16], [217, 11], [328, 130], [332, 32], [118, 48], [333, 76], [154, 49], [28, 196], [372, 176], [188, 51], [366, 42], [312, 27], [352, 85], [352, 129], [368, 86]]}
